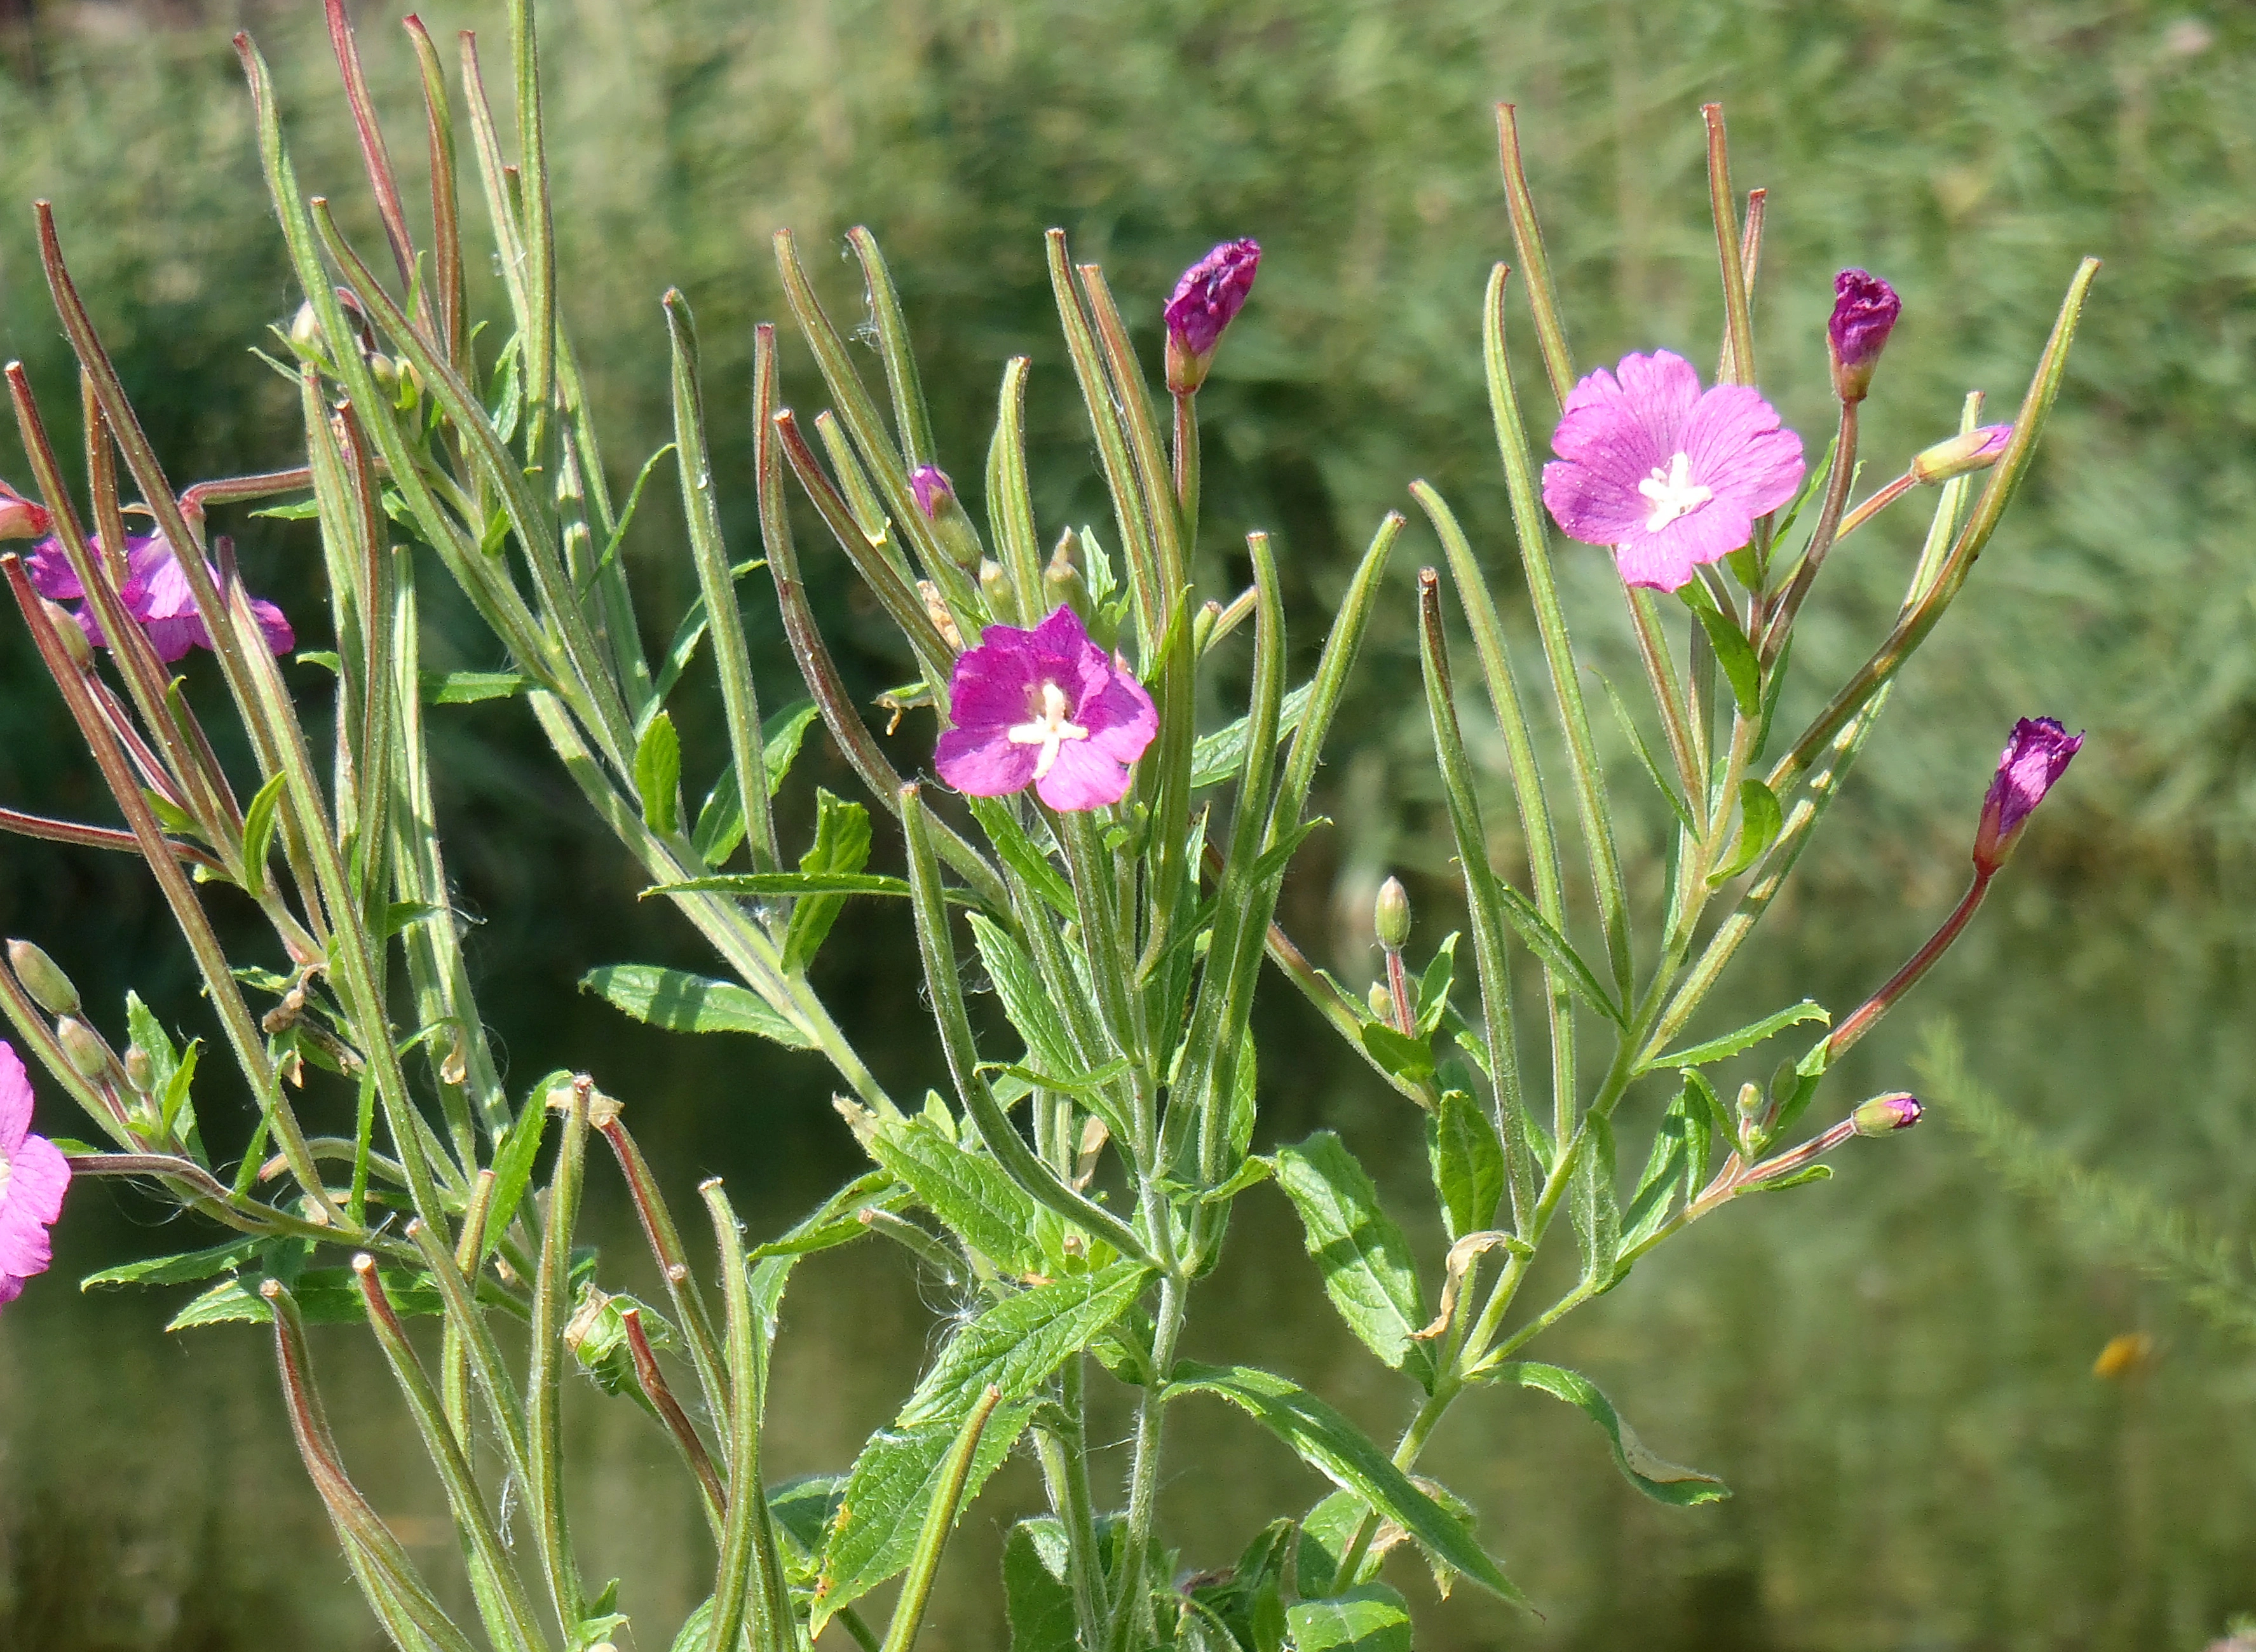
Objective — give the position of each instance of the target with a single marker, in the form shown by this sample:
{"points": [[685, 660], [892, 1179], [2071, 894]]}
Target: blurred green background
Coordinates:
{"points": [[1892, 1370]]}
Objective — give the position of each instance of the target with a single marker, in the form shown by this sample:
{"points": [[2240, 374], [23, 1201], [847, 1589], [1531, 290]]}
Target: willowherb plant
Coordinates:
{"points": [[1115, 871]]}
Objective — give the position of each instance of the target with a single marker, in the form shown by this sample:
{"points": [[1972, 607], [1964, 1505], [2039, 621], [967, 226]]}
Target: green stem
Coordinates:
{"points": [[1131, 1613]]}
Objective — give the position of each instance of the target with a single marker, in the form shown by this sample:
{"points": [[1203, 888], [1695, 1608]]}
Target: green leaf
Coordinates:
{"points": [[657, 773], [894, 1481], [324, 1296], [1596, 1205], [837, 1220], [968, 1191], [1371, 1619], [1411, 1059], [1220, 756], [1336, 1448], [1023, 856], [1657, 1478], [1016, 1345], [177, 821], [1760, 821], [773, 885], [259, 834], [1549, 943], [679, 1001], [186, 1268], [1467, 1158], [803, 1509], [1652, 768], [721, 822], [1027, 998], [1368, 1272], [1678, 1160], [1746, 1038], [597, 1337], [1733, 652], [512, 1162], [467, 688], [1433, 987], [1037, 1593], [841, 848]]}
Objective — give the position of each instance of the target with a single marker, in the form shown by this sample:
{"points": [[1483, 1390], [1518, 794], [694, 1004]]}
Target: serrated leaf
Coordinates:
{"points": [[679, 1001], [1746, 1038], [837, 1220], [657, 773], [1351, 1459], [720, 825], [1466, 1157], [1596, 1205], [1657, 1478], [1371, 1619], [1220, 757], [1026, 997], [1369, 1271], [185, 1268], [1021, 854], [803, 1508], [968, 1191], [324, 1296], [1036, 1595], [1407, 1058], [841, 849], [1018, 1343], [776, 885], [1548, 944], [1760, 821], [259, 834]]}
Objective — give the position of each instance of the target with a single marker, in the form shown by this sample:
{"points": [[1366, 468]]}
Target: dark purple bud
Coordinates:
{"points": [[1977, 450], [930, 485], [1883, 1115], [1864, 311], [1207, 299], [2037, 755]]}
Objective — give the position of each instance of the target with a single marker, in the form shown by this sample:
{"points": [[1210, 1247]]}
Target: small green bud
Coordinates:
{"points": [[1381, 1002], [995, 585], [1062, 580], [84, 1047], [66, 628], [50, 988], [1752, 1109], [1389, 915], [305, 327], [140, 1072]]}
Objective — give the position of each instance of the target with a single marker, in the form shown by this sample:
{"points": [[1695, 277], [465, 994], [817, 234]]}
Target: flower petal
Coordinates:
{"points": [[983, 764], [1615, 431], [15, 1099], [37, 1177], [1082, 778], [1735, 447], [1664, 561], [51, 572], [1121, 720]]}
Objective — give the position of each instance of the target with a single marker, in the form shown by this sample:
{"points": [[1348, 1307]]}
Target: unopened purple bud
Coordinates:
{"points": [[1883, 1115], [22, 518], [1207, 299], [930, 485], [1864, 311], [1977, 450], [2034, 758]]}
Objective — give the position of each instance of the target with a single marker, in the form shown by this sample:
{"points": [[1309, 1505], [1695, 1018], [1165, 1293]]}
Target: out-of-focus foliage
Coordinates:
{"points": [[1969, 153]]}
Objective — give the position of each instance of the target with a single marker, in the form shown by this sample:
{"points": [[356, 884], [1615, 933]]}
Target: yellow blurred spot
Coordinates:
{"points": [[2123, 1356]]}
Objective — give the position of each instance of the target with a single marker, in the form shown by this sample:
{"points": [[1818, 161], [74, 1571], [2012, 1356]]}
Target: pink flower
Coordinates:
{"points": [[2035, 756], [1206, 300], [33, 1175], [1046, 705], [156, 593], [21, 518], [1669, 476]]}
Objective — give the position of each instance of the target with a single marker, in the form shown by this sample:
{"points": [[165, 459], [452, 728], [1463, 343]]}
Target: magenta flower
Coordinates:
{"points": [[1047, 707], [1207, 299], [1669, 475], [930, 485], [33, 1175], [2034, 758], [22, 518], [156, 593], [1864, 311]]}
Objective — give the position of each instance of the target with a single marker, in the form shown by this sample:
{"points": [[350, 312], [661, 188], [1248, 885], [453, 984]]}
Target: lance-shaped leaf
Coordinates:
{"points": [[841, 848], [1337, 1449], [1746, 1038], [1016, 1345], [1466, 1157], [1657, 1478], [1369, 1271], [1596, 1205], [969, 1191], [679, 1001]]}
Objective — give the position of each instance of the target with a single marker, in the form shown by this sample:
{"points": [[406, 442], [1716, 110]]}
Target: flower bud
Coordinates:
{"points": [[22, 518], [1206, 300], [50, 988], [1063, 585], [995, 585], [935, 607], [1389, 915], [1883, 1114], [84, 1047], [2036, 758], [1380, 1001], [305, 327], [1864, 311], [71, 633], [1752, 1108], [140, 1072], [1977, 450], [936, 502]]}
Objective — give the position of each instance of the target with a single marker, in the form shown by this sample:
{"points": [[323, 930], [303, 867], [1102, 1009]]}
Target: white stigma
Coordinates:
{"points": [[1673, 492], [1048, 729]]}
